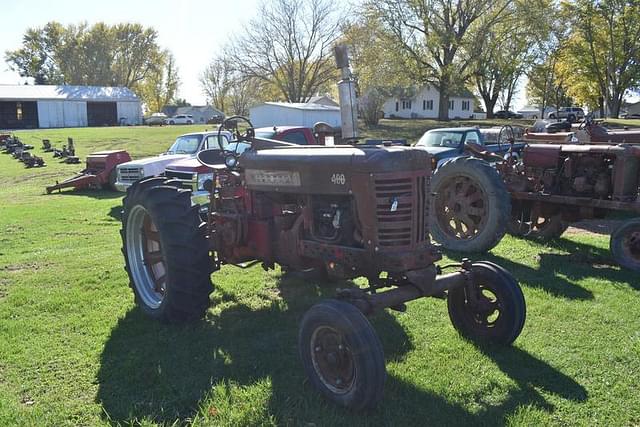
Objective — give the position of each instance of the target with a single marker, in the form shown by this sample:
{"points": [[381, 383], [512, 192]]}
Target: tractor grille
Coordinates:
{"points": [[129, 174], [401, 210]]}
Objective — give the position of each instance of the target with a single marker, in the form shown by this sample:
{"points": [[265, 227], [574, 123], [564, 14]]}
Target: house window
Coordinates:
{"points": [[427, 105], [424, 104], [465, 105], [396, 106], [19, 110], [406, 105], [451, 105]]}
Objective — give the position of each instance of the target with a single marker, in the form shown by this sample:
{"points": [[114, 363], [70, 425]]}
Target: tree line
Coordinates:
{"points": [[575, 51], [125, 54]]}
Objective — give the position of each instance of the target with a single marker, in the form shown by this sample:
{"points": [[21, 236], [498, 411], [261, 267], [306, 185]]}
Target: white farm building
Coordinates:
{"points": [[45, 106], [270, 114]]}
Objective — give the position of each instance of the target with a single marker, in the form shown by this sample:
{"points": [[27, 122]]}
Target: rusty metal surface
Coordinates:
{"points": [[577, 201], [462, 208]]}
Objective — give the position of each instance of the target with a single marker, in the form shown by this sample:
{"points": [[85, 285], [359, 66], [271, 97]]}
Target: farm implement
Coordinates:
{"points": [[100, 172]]}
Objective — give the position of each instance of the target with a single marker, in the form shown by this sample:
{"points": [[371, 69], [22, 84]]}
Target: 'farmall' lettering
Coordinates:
{"points": [[272, 178]]}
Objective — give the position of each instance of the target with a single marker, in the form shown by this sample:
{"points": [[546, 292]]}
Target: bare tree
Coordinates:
{"points": [[216, 81], [289, 46], [438, 38], [243, 92]]}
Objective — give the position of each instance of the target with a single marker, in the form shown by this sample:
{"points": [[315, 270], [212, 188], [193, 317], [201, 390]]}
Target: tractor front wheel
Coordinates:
{"points": [[342, 355], [166, 254], [491, 309], [625, 244]]}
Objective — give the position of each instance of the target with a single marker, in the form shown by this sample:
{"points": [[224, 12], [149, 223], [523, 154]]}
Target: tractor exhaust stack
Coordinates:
{"points": [[347, 95]]}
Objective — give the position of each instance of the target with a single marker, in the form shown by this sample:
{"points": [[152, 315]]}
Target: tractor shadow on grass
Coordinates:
{"points": [[167, 373], [582, 261], [545, 277]]}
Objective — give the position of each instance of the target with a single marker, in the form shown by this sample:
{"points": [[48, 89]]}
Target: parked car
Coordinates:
{"points": [[631, 116], [507, 114], [180, 119], [186, 146], [216, 119], [447, 143], [194, 175], [572, 114], [156, 119]]}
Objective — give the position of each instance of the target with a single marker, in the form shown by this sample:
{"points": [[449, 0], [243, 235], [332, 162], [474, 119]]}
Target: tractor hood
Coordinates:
{"points": [[188, 164], [326, 170]]}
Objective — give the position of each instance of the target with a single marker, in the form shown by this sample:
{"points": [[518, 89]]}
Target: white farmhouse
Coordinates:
{"points": [[47, 106], [424, 104], [293, 114]]}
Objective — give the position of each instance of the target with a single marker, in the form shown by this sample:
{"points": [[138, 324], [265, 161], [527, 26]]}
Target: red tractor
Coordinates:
{"points": [[556, 184], [347, 211]]}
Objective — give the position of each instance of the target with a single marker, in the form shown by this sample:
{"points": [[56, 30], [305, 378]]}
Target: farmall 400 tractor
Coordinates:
{"points": [[350, 211]]}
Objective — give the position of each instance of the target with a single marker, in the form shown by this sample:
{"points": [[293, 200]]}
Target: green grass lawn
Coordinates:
{"points": [[75, 351]]}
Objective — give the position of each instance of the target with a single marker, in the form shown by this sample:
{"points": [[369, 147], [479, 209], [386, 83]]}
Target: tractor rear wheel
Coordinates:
{"points": [[625, 244], [342, 355], [492, 310], [470, 207], [166, 254]]}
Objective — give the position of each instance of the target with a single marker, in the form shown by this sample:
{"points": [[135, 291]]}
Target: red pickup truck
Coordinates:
{"points": [[194, 175]]}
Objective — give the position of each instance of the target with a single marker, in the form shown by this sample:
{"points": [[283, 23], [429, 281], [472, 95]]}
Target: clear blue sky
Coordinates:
{"points": [[192, 29]]}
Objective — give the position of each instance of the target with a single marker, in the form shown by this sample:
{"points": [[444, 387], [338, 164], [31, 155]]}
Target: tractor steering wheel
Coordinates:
{"points": [[231, 124]]}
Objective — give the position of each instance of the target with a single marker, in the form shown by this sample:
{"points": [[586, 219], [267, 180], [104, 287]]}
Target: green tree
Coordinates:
{"points": [[120, 55], [161, 87], [607, 42], [38, 57], [510, 48], [376, 67], [547, 85], [438, 39]]}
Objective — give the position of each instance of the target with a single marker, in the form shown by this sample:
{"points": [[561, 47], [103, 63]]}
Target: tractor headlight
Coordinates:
{"points": [[203, 178]]}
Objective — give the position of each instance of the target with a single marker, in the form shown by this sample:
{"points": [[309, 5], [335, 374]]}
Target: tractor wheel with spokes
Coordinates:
{"points": [[166, 254], [526, 223], [492, 309], [625, 244], [342, 355], [470, 207]]}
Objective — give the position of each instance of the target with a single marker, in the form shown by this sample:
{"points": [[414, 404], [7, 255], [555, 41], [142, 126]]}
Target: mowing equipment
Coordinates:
{"points": [[100, 172]]}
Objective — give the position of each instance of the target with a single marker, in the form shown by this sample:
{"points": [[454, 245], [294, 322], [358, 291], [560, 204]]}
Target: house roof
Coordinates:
{"points": [[302, 106], [323, 100], [70, 93]]}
